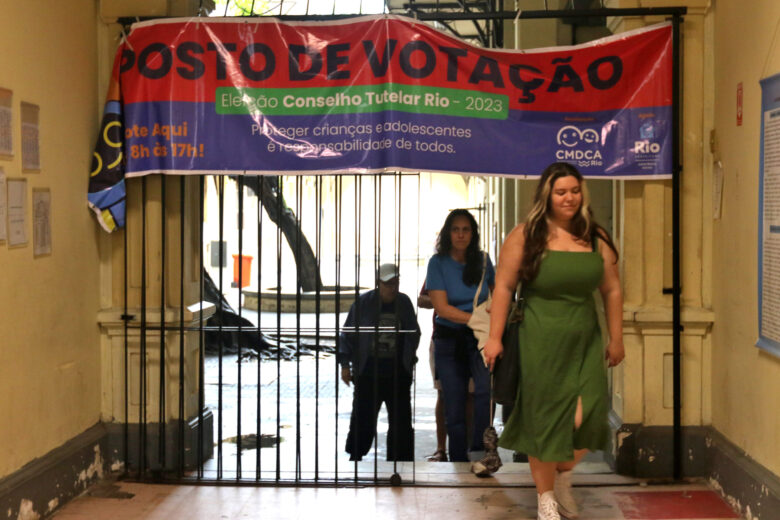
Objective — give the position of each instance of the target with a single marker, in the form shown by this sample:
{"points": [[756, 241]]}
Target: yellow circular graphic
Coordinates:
{"points": [[99, 164], [108, 141], [118, 159]]}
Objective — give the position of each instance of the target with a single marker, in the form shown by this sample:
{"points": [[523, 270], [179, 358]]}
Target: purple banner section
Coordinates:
{"points": [[161, 137]]}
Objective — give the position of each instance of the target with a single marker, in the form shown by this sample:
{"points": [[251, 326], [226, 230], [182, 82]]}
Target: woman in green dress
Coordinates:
{"points": [[562, 256]]}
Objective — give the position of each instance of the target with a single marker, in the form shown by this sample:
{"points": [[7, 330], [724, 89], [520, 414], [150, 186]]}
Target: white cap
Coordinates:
{"points": [[387, 272]]}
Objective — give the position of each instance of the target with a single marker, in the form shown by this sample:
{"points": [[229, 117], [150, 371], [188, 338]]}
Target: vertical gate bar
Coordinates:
{"points": [[161, 404], [355, 409], [377, 178], [397, 261], [414, 371], [142, 364], [398, 196], [318, 253], [126, 320], [201, 346], [676, 323], [258, 418], [278, 327], [220, 310], [182, 418], [240, 332], [299, 212], [337, 213]]}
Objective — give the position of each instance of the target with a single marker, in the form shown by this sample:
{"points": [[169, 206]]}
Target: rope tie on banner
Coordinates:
{"points": [[123, 37]]}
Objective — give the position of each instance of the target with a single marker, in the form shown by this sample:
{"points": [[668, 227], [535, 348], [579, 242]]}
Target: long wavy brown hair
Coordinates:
{"points": [[536, 231]]}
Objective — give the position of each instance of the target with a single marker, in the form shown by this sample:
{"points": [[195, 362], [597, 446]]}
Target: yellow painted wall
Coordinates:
{"points": [[49, 341], [746, 381]]}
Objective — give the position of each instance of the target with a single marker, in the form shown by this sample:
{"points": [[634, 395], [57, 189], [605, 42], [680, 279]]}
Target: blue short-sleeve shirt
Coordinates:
{"points": [[446, 274]]}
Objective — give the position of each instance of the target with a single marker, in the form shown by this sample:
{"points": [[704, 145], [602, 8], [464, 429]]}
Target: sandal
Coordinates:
{"points": [[438, 456]]}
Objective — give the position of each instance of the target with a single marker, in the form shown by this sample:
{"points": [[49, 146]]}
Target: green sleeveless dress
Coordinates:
{"points": [[561, 358]]}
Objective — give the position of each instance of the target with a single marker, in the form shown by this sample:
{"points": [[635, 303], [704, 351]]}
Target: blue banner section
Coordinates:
{"points": [[169, 137], [106, 196]]}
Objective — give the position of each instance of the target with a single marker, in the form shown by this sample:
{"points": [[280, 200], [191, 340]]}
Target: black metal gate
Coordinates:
{"points": [[217, 392]]}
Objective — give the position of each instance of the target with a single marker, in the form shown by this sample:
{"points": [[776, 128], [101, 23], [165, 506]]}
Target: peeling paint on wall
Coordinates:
{"points": [[621, 437], [732, 501], [96, 468], [26, 511]]}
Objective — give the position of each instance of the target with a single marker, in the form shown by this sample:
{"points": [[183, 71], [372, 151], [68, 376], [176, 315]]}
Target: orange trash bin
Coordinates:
{"points": [[246, 269]]}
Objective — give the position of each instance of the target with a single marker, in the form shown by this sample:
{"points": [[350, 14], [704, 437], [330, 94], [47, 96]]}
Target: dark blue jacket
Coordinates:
{"points": [[356, 347]]}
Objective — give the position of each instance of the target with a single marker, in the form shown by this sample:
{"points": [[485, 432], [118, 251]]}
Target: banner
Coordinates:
{"points": [[377, 93]]}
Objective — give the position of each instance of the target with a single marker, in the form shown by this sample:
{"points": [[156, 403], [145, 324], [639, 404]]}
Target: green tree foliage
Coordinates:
{"points": [[240, 7]]}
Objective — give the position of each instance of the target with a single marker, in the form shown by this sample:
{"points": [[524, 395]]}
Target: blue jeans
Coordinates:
{"points": [[457, 358]]}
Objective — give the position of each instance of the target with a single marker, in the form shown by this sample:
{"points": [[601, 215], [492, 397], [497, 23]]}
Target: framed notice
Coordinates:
{"points": [[769, 218], [3, 207], [31, 157], [17, 212], [41, 214], [6, 129]]}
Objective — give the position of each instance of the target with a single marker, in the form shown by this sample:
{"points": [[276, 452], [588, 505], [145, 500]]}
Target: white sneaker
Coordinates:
{"points": [[548, 507], [567, 506]]}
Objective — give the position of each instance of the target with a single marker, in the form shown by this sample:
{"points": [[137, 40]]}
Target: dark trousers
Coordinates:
{"points": [[457, 359], [370, 392]]}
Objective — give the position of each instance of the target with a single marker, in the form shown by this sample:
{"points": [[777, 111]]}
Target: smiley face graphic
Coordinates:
{"points": [[570, 136], [590, 136]]}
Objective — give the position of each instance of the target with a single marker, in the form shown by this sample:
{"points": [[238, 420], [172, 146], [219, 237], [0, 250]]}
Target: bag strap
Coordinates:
{"points": [[482, 279], [516, 306]]}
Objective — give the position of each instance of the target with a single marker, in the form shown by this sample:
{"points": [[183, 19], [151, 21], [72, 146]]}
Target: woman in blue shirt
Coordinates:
{"points": [[454, 273]]}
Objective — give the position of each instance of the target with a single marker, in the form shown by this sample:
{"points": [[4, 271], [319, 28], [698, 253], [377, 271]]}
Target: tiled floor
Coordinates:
{"points": [[154, 501]]}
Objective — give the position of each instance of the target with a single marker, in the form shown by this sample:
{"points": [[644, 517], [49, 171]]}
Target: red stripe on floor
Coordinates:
{"points": [[658, 505]]}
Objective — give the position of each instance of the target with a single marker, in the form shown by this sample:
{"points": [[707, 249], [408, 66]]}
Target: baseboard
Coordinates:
{"points": [[174, 455], [646, 452], [747, 485], [46, 483]]}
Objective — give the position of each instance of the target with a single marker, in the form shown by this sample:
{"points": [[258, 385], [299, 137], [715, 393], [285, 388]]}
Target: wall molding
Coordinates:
{"points": [[46, 483], [646, 452]]}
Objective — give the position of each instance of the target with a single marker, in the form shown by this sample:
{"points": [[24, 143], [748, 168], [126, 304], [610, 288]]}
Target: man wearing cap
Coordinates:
{"points": [[377, 350]]}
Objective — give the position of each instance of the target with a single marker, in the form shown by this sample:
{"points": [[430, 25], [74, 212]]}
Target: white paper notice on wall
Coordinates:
{"points": [[41, 221], [17, 212], [6, 130], [31, 156], [3, 207]]}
